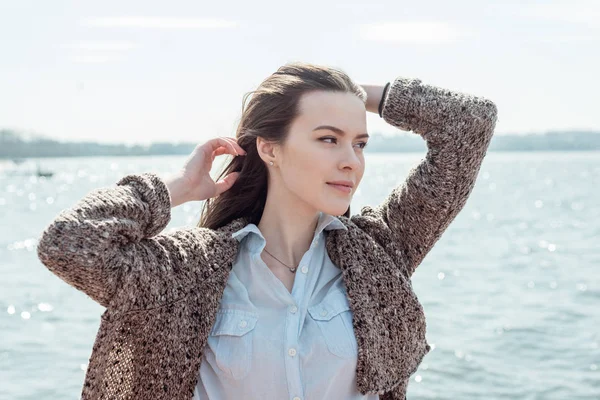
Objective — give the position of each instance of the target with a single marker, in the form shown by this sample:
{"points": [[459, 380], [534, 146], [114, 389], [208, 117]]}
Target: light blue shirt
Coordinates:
{"points": [[268, 343]]}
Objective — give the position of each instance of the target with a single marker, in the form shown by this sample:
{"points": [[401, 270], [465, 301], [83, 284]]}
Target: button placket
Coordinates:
{"points": [[294, 320]]}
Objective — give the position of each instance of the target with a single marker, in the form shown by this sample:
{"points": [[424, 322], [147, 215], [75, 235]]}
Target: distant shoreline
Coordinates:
{"points": [[14, 146]]}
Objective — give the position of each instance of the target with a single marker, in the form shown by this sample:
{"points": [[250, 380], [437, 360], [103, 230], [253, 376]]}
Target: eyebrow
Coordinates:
{"points": [[339, 131]]}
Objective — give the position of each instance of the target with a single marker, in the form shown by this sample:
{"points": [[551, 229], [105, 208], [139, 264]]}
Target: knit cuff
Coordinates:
{"points": [[402, 102], [153, 191]]}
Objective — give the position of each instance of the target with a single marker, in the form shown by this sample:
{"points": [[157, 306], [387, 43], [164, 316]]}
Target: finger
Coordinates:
{"points": [[239, 148], [219, 151], [222, 150], [231, 143], [226, 183], [217, 142]]}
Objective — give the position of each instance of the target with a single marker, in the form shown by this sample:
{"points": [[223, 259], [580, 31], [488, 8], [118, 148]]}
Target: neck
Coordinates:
{"points": [[288, 230]]}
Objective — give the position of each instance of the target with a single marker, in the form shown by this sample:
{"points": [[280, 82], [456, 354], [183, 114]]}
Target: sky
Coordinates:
{"points": [[146, 71]]}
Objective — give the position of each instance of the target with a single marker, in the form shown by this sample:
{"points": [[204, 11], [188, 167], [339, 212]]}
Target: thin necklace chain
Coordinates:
{"points": [[292, 270]]}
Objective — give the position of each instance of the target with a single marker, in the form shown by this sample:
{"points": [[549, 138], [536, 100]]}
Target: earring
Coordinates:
{"points": [[271, 162]]}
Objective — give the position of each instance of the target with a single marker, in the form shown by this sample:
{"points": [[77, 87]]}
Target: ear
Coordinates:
{"points": [[266, 150]]}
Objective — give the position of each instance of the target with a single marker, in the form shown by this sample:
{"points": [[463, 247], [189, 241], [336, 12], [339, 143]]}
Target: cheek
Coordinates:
{"points": [[305, 174], [308, 172], [360, 174]]}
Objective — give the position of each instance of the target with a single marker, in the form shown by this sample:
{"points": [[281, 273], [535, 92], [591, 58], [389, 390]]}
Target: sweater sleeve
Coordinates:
{"points": [[108, 244], [457, 128]]}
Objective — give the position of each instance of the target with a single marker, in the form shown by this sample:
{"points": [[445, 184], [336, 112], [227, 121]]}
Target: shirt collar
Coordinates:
{"points": [[326, 222]]}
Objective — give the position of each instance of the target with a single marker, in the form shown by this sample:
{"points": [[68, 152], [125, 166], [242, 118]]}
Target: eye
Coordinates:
{"points": [[327, 138], [363, 144]]}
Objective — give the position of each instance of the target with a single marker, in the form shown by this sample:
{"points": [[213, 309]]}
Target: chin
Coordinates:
{"points": [[335, 211]]}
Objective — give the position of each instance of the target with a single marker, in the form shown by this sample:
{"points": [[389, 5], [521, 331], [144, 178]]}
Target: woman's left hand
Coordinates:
{"points": [[374, 93]]}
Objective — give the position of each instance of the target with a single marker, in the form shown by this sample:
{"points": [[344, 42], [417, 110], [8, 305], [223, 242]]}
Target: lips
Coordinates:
{"points": [[342, 183], [341, 188]]}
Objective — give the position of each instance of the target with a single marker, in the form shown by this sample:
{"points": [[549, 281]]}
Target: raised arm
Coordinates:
{"points": [[457, 128], [108, 245]]}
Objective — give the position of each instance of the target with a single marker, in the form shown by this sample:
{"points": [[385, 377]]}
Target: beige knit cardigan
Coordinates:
{"points": [[162, 290]]}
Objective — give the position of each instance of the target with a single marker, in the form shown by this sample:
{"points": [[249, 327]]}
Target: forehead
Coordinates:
{"points": [[343, 110]]}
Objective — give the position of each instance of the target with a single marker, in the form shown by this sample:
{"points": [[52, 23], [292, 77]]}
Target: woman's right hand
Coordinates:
{"points": [[194, 182]]}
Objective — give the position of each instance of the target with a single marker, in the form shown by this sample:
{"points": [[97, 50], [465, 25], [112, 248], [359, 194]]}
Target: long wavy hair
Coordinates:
{"points": [[269, 114]]}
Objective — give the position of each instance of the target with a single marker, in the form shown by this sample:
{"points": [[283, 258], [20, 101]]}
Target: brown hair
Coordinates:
{"points": [[269, 114]]}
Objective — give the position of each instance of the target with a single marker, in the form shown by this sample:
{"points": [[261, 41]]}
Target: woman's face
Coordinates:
{"points": [[312, 157]]}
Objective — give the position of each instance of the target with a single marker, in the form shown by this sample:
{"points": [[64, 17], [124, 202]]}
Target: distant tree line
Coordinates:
{"points": [[14, 145]]}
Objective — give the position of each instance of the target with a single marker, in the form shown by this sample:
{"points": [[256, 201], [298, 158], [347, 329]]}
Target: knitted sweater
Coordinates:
{"points": [[162, 290]]}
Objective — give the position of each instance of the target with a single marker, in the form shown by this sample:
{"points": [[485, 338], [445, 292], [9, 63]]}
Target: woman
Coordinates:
{"points": [[278, 292]]}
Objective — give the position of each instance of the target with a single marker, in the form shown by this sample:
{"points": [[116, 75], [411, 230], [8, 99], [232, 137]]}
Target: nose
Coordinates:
{"points": [[350, 159]]}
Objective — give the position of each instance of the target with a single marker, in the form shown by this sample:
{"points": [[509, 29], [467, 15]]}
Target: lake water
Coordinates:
{"points": [[511, 291]]}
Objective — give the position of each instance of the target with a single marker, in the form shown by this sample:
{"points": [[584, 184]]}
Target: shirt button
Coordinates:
{"points": [[292, 352], [297, 398], [293, 309], [243, 324], [324, 312], [304, 269]]}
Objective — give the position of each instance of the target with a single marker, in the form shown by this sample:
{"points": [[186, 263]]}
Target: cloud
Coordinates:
{"points": [[91, 59], [100, 45], [574, 22], [157, 22], [569, 39], [576, 11], [586, 12], [412, 32], [583, 16]]}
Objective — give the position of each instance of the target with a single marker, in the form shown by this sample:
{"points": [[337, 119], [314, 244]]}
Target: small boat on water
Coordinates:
{"points": [[46, 174], [11, 168]]}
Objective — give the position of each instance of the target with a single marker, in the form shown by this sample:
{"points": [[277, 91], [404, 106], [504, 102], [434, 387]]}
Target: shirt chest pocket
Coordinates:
{"points": [[231, 341], [334, 318]]}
